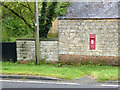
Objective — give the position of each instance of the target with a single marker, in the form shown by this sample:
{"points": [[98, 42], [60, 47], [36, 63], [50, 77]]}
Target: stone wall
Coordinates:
{"points": [[48, 49], [73, 43], [74, 37]]}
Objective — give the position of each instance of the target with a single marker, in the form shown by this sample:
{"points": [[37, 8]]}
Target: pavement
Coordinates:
{"points": [[29, 77]]}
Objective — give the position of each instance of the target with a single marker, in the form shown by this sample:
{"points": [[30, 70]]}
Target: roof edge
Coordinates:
{"points": [[78, 18]]}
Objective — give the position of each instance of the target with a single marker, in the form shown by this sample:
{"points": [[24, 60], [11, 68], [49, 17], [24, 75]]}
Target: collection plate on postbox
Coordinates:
{"points": [[92, 41]]}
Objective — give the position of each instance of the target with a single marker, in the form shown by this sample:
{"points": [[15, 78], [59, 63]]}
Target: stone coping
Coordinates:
{"points": [[41, 39]]}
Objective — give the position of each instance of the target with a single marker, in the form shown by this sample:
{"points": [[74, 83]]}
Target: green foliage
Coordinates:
{"points": [[13, 28], [61, 10], [50, 12], [23, 10], [18, 18], [31, 63]]}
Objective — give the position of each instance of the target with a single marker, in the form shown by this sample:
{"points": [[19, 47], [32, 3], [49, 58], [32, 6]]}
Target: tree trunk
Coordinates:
{"points": [[33, 34]]}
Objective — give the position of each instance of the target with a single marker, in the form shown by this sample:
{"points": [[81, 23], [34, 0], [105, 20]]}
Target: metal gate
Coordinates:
{"points": [[9, 51]]}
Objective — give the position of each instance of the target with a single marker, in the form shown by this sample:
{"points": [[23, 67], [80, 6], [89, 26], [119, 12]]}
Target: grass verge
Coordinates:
{"points": [[101, 73]]}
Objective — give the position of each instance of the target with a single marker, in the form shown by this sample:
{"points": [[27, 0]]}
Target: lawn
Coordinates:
{"points": [[100, 73]]}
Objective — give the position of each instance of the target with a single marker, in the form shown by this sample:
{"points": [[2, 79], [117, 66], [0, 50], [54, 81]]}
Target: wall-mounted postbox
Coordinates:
{"points": [[92, 41]]}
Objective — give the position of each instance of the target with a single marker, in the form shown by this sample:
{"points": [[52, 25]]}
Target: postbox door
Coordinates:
{"points": [[92, 41]]}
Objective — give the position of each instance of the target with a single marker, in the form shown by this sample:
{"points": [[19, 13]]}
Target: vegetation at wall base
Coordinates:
{"points": [[100, 73]]}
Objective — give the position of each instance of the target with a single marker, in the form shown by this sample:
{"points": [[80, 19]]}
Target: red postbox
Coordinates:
{"points": [[92, 41]]}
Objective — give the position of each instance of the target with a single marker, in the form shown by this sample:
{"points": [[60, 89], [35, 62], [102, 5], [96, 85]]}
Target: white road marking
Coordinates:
{"points": [[110, 85], [20, 81]]}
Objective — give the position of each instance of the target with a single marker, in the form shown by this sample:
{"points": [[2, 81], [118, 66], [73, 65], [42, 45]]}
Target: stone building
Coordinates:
{"points": [[90, 32]]}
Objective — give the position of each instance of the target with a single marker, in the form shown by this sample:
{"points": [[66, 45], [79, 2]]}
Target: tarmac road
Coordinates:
{"points": [[20, 83]]}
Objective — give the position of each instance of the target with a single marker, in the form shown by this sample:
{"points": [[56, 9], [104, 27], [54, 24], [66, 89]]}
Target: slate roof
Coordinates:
{"points": [[92, 10]]}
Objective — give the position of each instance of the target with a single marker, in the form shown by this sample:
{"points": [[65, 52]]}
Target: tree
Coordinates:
{"points": [[14, 27], [46, 18], [25, 11], [48, 14]]}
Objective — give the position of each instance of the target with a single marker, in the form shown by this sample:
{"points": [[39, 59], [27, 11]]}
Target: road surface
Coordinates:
{"points": [[53, 84]]}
